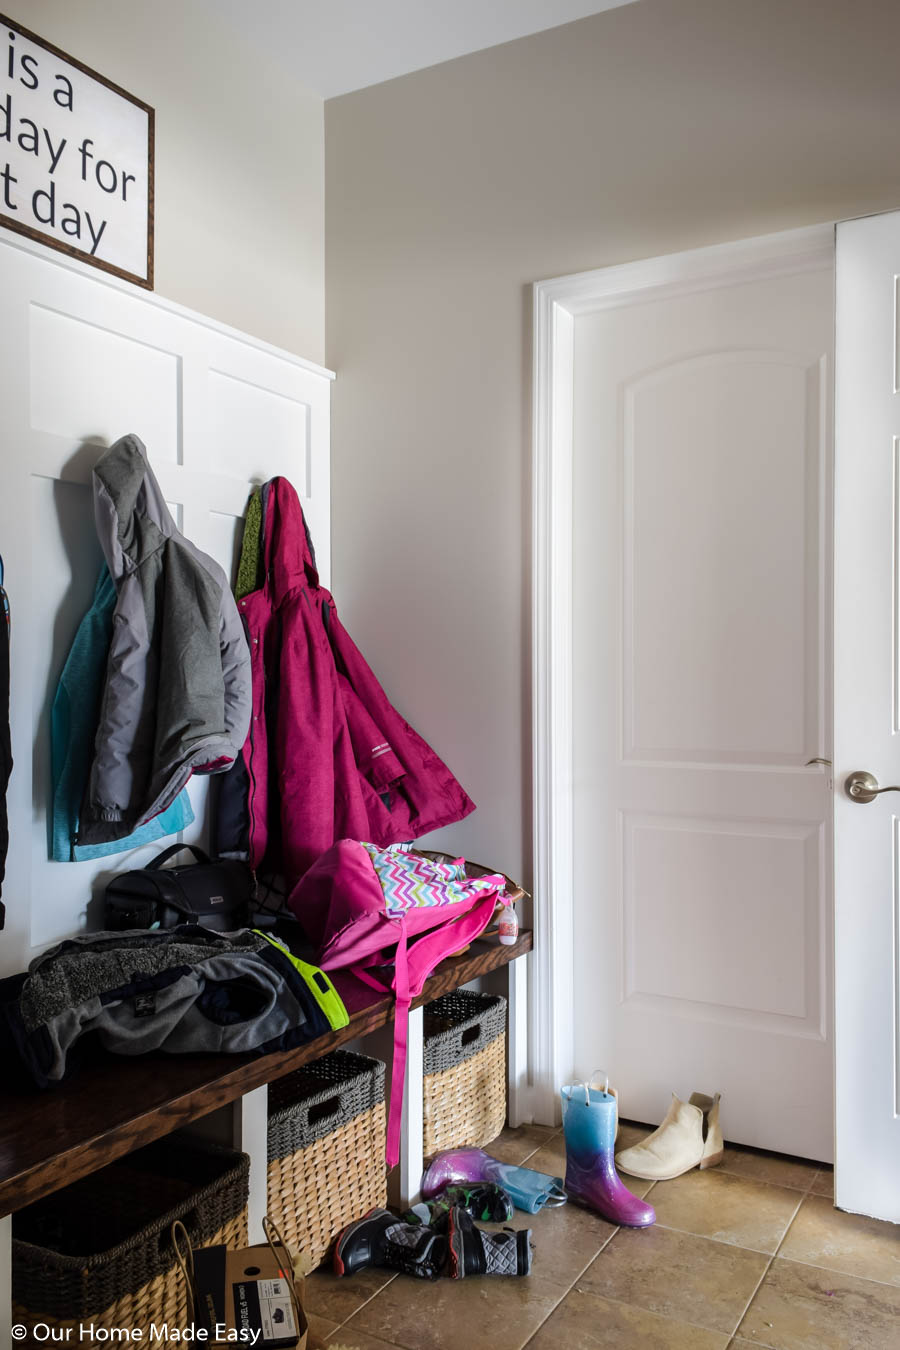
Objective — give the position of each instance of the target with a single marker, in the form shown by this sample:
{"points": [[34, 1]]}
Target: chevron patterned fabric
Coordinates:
{"points": [[411, 882]]}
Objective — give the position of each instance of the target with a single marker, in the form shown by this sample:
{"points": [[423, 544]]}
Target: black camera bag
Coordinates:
{"points": [[216, 895]]}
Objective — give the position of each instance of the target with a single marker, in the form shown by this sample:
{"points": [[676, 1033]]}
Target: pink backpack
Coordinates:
{"points": [[363, 907]]}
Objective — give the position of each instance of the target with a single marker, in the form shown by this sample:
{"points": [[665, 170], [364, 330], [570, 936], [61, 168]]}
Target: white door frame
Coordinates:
{"points": [[557, 304]]}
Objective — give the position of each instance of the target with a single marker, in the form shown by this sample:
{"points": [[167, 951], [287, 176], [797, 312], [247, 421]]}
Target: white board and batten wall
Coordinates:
{"points": [[87, 359]]}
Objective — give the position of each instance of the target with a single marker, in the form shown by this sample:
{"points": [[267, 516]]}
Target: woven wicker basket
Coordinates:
{"points": [[465, 1070], [326, 1150], [99, 1251]]}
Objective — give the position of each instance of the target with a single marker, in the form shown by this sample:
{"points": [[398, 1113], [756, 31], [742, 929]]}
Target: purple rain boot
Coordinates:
{"points": [[529, 1190], [589, 1123]]}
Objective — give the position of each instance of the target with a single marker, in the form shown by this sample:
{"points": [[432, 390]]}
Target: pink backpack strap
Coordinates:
{"points": [[432, 947], [370, 980], [412, 967], [401, 1040], [403, 999]]}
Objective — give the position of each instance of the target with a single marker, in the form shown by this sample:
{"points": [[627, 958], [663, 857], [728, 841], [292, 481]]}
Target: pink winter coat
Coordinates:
{"points": [[327, 756]]}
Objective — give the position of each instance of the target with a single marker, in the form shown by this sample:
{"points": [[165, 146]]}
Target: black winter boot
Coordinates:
{"points": [[381, 1239], [474, 1252]]}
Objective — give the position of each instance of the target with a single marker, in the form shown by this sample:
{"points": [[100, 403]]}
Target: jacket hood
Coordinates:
{"points": [[130, 511], [287, 550], [176, 695]]}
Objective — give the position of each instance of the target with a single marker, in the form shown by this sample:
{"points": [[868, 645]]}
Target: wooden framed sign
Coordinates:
{"points": [[76, 157]]}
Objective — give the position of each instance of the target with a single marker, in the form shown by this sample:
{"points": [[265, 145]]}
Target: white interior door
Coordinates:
{"points": [[867, 716], [701, 661], [86, 360]]}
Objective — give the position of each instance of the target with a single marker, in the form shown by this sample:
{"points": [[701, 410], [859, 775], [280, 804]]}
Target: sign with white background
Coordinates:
{"points": [[76, 157]]}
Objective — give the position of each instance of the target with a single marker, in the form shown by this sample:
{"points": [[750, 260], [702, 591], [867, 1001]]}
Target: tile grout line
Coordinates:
{"points": [[746, 1307], [564, 1295], [813, 1265], [763, 1345], [664, 1317], [722, 1242], [365, 1303], [770, 1257], [789, 1227], [847, 1274], [768, 1267], [742, 1176], [345, 1325], [602, 1248], [546, 1142], [568, 1289]]}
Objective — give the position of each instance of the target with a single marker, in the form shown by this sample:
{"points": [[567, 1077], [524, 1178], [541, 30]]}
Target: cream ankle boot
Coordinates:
{"points": [[690, 1136]]}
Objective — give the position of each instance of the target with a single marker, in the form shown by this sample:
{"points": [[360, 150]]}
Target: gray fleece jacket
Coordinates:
{"points": [[182, 990], [176, 697]]}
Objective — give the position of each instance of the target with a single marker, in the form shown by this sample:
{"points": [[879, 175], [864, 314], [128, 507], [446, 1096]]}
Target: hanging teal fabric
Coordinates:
{"points": [[73, 723]]}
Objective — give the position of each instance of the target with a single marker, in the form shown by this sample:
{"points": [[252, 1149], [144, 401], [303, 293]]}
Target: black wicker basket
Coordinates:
{"points": [[101, 1248]]}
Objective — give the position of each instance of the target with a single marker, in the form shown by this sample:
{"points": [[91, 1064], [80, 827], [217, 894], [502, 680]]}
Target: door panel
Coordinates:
{"points": [[698, 562], [867, 720], [701, 589]]}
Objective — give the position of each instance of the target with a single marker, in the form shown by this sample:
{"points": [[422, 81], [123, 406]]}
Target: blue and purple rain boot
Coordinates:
{"points": [[589, 1124]]}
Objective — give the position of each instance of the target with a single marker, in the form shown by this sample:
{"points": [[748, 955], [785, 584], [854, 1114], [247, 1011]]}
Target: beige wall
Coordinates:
{"points": [[239, 159], [664, 125]]}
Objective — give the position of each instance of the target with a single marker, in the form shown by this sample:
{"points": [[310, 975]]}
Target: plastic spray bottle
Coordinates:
{"points": [[508, 925]]}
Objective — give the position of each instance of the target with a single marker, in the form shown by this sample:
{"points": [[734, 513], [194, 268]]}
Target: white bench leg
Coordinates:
{"points": [[411, 1120], [244, 1124], [518, 1109], [406, 1178], [250, 1131]]}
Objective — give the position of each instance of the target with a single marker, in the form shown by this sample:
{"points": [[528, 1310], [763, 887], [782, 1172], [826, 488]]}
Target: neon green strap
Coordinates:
{"points": [[318, 984]]}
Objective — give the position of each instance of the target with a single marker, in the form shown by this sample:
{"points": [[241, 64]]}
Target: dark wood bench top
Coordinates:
{"points": [[113, 1105]]}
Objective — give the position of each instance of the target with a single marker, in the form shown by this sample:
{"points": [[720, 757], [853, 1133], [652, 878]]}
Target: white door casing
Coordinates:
{"points": [[86, 360], [867, 716], [704, 789]]}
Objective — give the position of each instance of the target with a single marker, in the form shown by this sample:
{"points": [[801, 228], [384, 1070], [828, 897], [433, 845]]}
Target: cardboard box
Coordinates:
{"points": [[244, 1298]]}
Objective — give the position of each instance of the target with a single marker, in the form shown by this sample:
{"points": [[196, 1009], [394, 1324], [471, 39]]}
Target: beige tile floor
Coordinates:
{"points": [[751, 1253]]}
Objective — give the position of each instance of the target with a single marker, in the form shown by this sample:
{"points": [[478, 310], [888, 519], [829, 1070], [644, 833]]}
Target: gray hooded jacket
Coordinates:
{"points": [[176, 697]]}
